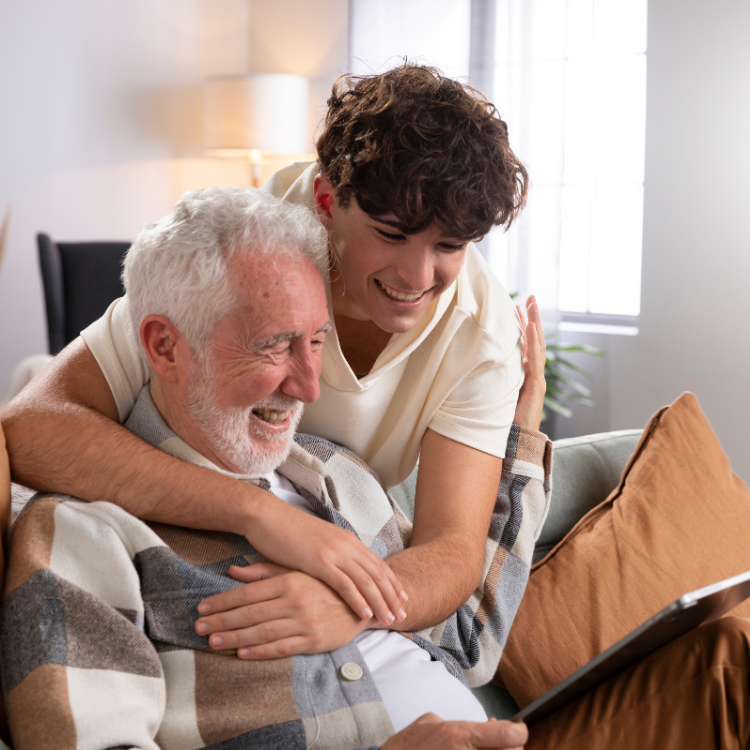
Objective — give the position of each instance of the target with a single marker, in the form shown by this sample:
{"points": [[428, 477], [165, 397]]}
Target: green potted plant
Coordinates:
{"points": [[562, 387]]}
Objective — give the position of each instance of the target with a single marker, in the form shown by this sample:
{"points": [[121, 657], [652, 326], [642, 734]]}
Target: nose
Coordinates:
{"points": [[416, 267], [303, 378]]}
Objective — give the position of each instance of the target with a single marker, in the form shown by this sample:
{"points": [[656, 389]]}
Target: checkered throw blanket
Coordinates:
{"points": [[98, 640]]}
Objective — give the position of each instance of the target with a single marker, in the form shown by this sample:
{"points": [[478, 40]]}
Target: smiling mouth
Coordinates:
{"points": [[270, 416], [394, 294]]}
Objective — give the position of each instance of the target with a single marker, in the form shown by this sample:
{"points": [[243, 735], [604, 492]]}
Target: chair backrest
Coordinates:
{"points": [[80, 280]]}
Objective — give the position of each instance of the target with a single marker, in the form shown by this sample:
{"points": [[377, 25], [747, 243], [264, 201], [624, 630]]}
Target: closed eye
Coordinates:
{"points": [[277, 351], [389, 235]]}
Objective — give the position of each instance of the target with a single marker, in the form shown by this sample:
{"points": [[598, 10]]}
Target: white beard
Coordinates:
{"points": [[237, 436]]}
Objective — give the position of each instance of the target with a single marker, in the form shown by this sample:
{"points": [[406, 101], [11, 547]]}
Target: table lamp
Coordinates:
{"points": [[247, 116]]}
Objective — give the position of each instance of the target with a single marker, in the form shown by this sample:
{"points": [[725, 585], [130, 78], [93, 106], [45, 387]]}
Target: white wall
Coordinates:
{"points": [[305, 38], [695, 317], [101, 119]]}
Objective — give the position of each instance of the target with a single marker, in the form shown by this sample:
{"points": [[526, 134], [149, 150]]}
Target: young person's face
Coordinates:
{"points": [[380, 273]]}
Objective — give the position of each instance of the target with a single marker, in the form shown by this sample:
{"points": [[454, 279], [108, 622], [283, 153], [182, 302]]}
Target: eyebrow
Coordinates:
{"points": [[269, 343], [396, 224]]}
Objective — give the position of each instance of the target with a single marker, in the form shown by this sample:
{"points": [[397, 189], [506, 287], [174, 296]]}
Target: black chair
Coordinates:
{"points": [[80, 280]]}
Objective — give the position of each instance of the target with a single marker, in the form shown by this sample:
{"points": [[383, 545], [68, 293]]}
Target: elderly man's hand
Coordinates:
{"points": [[430, 732], [278, 612]]}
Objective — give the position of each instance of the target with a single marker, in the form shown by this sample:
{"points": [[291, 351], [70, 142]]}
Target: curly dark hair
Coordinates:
{"points": [[413, 143]]}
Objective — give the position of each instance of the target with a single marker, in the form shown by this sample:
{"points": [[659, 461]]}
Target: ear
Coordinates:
{"points": [[166, 348], [325, 200]]}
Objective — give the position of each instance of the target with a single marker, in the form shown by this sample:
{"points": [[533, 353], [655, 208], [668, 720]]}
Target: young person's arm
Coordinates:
{"points": [[63, 435], [457, 487]]}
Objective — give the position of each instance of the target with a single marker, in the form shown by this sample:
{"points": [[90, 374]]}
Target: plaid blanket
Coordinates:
{"points": [[98, 641]]}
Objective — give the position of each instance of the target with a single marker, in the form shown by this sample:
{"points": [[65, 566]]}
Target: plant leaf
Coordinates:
{"points": [[574, 384], [584, 348], [558, 407], [559, 362]]}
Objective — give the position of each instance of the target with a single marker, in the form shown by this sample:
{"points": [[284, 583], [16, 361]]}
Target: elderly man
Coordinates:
{"points": [[99, 620]]}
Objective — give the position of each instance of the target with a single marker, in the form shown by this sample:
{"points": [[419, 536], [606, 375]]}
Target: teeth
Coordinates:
{"points": [[274, 417], [400, 296]]}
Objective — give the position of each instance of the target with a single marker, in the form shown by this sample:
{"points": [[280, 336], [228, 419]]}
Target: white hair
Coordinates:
{"points": [[177, 266]]}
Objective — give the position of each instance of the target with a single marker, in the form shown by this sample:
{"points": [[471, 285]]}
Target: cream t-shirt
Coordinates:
{"points": [[458, 371]]}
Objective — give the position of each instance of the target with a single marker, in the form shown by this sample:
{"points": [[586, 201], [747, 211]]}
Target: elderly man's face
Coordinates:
{"points": [[262, 363]]}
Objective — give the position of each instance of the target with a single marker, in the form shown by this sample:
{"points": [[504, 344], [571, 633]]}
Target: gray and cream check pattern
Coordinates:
{"points": [[98, 640]]}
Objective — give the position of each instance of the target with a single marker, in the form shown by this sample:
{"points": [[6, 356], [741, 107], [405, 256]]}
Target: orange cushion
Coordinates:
{"points": [[678, 520]]}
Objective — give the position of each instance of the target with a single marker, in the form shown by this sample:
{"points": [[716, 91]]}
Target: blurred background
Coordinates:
{"points": [[632, 117]]}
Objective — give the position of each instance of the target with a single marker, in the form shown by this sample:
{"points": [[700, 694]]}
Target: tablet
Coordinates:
{"points": [[680, 617]]}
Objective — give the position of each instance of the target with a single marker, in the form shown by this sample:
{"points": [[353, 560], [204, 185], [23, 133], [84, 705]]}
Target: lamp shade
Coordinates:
{"points": [[265, 112]]}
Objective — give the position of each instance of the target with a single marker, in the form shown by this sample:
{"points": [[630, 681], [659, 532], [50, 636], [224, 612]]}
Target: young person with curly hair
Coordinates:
{"points": [[424, 362]]}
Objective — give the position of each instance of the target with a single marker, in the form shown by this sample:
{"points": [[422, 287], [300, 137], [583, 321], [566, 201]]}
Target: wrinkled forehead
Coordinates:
{"points": [[276, 292]]}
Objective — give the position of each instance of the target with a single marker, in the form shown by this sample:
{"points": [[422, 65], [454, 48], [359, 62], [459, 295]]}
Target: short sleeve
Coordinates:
{"points": [[115, 347], [479, 410]]}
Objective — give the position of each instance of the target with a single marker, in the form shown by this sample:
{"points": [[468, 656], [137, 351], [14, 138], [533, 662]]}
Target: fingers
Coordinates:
{"points": [[535, 317], [290, 646], [534, 364], [429, 718], [229, 629], [531, 396], [261, 590], [337, 558], [257, 572], [534, 344], [361, 579], [379, 589], [500, 734], [264, 633], [353, 583], [519, 309], [429, 732], [524, 337]]}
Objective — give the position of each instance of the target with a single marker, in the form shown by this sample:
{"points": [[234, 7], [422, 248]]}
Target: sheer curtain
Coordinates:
{"points": [[432, 32], [570, 78]]}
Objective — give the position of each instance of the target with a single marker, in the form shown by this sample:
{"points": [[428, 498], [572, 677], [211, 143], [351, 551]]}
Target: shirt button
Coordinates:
{"points": [[351, 671]]}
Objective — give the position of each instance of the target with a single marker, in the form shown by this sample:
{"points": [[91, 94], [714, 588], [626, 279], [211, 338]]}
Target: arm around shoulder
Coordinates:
{"points": [[63, 436]]}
